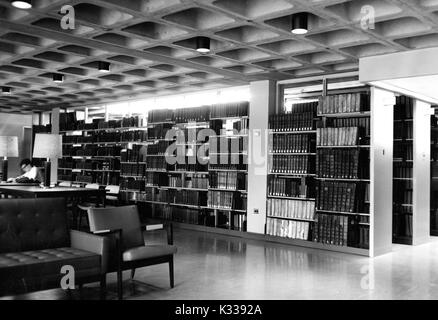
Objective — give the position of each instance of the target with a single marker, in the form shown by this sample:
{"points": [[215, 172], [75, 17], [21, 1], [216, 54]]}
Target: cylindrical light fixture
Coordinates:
{"points": [[58, 78], [22, 4], [6, 90], [300, 23], [104, 66], [203, 44]]}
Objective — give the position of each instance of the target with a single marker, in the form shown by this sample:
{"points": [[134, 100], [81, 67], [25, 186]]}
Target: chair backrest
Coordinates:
{"points": [[125, 218], [33, 224]]}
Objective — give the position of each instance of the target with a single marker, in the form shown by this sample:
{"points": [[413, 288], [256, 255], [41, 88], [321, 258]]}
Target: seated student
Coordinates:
{"points": [[31, 173]]}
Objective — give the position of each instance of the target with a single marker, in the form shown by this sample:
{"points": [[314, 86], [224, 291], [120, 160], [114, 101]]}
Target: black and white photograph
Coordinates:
{"points": [[210, 157]]}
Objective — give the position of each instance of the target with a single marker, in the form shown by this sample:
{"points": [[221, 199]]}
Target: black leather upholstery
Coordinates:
{"points": [[33, 224], [35, 242]]}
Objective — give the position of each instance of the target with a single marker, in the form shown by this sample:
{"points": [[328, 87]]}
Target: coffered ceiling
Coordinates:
{"points": [[151, 45]]}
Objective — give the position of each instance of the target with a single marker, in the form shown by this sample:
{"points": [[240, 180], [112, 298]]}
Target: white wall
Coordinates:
{"points": [[12, 125]]}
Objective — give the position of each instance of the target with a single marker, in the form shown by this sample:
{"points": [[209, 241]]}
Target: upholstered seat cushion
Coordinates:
{"points": [[146, 252], [47, 262]]}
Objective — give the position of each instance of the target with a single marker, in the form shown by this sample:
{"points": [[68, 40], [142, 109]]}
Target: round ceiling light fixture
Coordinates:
{"points": [[300, 23], [203, 44], [104, 66], [58, 78], [22, 4]]}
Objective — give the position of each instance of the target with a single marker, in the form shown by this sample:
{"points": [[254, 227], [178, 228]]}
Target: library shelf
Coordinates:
{"points": [[231, 118], [343, 213], [346, 115], [291, 218], [293, 132], [187, 172], [342, 179], [156, 170], [344, 147], [291, 154], [183, 188], [158, 123], [130, 176], [228, 170], [227, 190], [235, 136], [267, 238], [227, 209], [190, 206], [403, 179], [292, 175], [291, 198]]}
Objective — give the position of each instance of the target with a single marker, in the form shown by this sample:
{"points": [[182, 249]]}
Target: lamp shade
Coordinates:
{"points": [[47, 146], [8, 146]]}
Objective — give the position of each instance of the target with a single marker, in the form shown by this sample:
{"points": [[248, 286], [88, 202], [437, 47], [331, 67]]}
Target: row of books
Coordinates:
{"points": [[160, 131], [348, 136], [225, 145], [132, 184], [187, 197], [133, 169], [156, 163], [402, 223], [403, 151], [156, 179], [301, 143], [227, 180], [342, 163], [339, 197], [183, 215], [291, 164], [135, 154], [189, 167], [292, 209], [197, 181], [241, 166], [288, 229], [403, 170], [228, 110], [292, 122], [403, 192], [197, 114], [344, 103], [404, 130], [340, 230], [302, 107], [281, 187], [159, 148], [363, 123], [226, 200], [160, 115], [404, 108], [233, 127]]}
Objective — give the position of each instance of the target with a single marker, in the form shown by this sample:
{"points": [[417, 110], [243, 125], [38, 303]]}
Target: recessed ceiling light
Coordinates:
{"points": [[104, 66], [300, 23], [22, 4], [203, 44], [6, 90], [58, 78]]}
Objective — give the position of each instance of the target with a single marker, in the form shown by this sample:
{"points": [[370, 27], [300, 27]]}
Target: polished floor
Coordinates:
{"points": [[211, 266]]}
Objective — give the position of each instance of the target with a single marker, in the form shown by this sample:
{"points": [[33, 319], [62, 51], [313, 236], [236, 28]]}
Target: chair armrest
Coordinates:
{"points": [[91, 243], [119, 243], [168, 227]]}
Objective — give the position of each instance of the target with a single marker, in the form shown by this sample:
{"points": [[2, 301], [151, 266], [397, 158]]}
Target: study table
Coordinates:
{"points": [[76, 194]]}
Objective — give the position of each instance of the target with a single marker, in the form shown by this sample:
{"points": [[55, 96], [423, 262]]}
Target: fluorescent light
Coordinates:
{"points": [[23, 4]]}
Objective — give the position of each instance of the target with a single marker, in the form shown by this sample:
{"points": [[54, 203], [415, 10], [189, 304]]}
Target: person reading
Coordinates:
{"points": [[31, 174]]}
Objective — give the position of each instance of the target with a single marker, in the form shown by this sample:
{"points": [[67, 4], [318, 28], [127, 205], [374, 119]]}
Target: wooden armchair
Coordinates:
{"points": [[128, 250]]}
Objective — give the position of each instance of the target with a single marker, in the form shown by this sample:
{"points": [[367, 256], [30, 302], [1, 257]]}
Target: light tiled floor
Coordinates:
{"points": [[218, 267]]}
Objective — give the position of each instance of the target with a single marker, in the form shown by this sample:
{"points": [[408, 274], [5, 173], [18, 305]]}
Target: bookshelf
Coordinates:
{"points": [[194, 167], [320, 189], [434, 175]]}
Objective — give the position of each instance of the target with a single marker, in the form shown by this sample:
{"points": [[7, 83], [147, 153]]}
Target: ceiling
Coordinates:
{"points": [[151, 45]]}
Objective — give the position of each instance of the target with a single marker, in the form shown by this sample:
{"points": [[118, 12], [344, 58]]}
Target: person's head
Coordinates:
{"points": [[26, 165]]}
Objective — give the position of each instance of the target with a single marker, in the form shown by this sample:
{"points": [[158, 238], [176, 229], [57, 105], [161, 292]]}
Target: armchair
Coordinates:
{"points": [[128, 250]]}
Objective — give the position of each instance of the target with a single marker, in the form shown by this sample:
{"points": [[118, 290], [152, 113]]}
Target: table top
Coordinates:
{"points": [[26, 189], [14, 184]]}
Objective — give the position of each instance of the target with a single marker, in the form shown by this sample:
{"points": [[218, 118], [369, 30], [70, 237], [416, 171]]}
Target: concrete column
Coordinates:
{"points": [[262, 104], [55, 130]]}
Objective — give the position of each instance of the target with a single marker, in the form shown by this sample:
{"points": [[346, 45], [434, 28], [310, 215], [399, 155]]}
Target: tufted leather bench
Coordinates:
{"points": [[35, 243]]}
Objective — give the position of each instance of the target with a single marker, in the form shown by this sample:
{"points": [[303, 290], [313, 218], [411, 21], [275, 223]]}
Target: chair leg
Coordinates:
{"points": [[103, 287], [171, 273], [120, 284], [80, 219], [132, 274]]}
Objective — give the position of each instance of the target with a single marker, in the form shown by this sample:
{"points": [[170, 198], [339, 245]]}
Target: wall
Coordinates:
{"points": [[12, 125]]}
